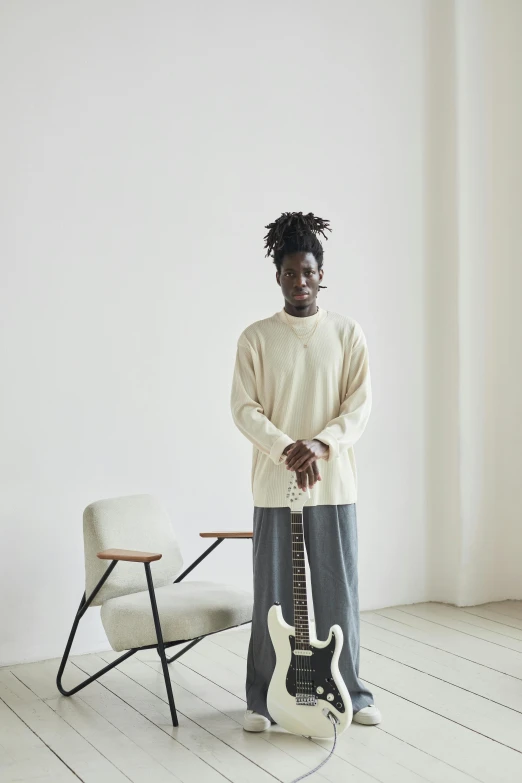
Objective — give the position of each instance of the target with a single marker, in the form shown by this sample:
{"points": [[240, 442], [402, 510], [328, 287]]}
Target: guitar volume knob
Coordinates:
{"points": [[330, 697], [319, 689]]}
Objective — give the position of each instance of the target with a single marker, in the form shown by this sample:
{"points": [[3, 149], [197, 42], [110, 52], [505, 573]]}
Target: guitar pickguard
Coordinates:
{"points": [[318, 674]]}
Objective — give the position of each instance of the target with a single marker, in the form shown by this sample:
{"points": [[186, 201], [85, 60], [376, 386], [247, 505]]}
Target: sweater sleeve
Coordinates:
{"points": [[342, 432], [247, 411]]}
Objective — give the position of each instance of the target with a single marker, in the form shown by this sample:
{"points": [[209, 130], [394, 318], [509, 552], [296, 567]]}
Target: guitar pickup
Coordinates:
{"points": [[302, 652]]}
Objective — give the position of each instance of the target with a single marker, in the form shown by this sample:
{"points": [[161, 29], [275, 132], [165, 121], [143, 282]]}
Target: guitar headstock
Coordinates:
{"points": [[296, 497]]}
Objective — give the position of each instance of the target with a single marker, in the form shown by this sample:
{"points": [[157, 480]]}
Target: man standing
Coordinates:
{"points": [[301, 394]]}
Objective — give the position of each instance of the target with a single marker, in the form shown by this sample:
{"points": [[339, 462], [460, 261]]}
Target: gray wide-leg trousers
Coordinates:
{"points": [[331, 544]]}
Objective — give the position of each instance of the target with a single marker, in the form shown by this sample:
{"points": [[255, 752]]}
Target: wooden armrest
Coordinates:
{"points": [[228, 534], [129, 554]]}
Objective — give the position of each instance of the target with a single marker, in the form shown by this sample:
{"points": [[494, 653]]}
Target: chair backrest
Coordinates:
{"points": [[131, 522]]}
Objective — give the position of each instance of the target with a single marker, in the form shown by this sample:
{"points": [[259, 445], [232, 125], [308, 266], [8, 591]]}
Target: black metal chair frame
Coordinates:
{"points": [[161, 646]]}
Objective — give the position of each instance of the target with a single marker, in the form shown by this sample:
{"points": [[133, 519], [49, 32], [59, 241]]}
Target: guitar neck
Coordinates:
{"points": [[302, 630]]}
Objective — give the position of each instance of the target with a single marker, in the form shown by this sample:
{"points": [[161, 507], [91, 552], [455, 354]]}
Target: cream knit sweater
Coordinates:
{"points": [[282, 392]]}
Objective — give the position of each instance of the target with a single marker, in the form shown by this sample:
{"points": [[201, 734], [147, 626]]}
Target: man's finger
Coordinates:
{"points": [[294, 448], [315, 468], [298, 458], [294, 457], [303, 462]]}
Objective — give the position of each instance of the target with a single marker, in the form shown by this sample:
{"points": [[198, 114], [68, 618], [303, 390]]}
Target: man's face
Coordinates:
{"points": [[299, 279]]}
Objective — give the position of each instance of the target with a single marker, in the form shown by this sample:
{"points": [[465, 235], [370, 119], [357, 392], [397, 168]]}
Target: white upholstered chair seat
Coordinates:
{"points": [[186, 609]]}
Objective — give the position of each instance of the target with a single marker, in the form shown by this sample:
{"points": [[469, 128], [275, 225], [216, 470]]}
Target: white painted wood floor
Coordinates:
{"points": [[448, 681]]}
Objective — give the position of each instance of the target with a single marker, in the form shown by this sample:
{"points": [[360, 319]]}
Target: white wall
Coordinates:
{"points": [[144, 147], [474, 242]]}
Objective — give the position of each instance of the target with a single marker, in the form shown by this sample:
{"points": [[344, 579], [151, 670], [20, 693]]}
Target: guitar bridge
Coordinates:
{"points": [[306, 699]]}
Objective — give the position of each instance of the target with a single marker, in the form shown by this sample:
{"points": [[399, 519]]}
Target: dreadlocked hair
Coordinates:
{"points": [[294, 232]]}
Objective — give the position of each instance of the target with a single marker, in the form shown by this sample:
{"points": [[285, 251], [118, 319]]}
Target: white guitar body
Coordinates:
{"points": [[309, 720], [306, 691]]}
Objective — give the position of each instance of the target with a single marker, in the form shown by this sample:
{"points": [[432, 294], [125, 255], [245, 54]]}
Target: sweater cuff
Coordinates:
{"points": [[328, 440], [276, 452]]}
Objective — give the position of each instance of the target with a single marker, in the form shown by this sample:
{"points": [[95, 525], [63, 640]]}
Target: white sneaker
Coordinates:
{"points": [[368, 716], [253, 721]]}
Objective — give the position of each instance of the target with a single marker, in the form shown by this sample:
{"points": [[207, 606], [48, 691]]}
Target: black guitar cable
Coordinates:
{"points": [[333, 720]]}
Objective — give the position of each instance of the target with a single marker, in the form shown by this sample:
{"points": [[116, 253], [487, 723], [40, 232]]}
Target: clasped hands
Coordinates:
{"points": [[302, 456]]}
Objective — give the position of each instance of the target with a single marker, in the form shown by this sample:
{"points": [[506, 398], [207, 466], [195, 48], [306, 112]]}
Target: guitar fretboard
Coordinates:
{"points": [[302, 630]]}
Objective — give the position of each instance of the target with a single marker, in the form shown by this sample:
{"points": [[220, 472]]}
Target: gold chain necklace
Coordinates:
{"points": [[297, 334]]}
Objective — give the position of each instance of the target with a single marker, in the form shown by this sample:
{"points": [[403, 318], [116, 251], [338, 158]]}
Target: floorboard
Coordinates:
{"points": [[448, 681]]}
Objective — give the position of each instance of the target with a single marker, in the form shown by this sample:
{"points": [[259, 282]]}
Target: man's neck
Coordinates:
{"points": [[301, 312]]}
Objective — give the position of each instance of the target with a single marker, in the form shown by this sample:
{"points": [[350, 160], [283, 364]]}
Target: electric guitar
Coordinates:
{"points": [[306, 691]]}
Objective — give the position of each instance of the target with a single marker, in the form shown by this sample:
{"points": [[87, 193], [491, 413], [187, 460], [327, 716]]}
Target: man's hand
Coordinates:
{"points": [[307, 478], [307, 473], [301, 454]]}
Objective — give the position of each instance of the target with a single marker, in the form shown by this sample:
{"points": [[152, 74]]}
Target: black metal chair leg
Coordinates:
{"points": [[184, 650], [161, 646], [84, 605]]}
